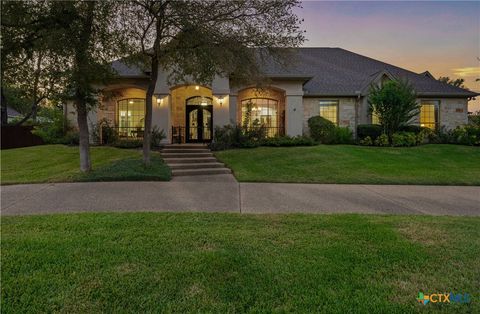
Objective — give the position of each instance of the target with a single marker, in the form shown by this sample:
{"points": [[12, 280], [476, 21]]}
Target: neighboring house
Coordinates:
{"points": [[13, 114], [330, 82]]}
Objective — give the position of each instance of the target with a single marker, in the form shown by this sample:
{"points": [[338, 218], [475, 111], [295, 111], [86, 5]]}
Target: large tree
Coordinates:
{"points": [[197, 40], [454, 82], [395, 103]]}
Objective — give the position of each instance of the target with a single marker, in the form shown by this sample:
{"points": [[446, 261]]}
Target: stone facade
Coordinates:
{"points": [[453, 112], [346, 111]]}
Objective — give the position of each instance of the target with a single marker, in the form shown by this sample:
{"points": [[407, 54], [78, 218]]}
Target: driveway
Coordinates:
{"points": [[230, 196]]}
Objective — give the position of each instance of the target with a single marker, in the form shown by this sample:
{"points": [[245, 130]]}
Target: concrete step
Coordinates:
{"points": [[184, 160], [186, 146], [207, 165], [185, 155], [194, 172], [186, 151]]}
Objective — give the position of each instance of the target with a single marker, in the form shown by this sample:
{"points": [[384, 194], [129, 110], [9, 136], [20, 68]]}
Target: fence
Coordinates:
{"points": [[19, 136]]}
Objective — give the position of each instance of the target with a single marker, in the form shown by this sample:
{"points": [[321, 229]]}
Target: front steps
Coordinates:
{"points": [[191, 160]]}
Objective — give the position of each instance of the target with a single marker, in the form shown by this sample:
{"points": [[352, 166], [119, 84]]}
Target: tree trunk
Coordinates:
{"points": [[148, 102], [83, 86], [84, 143]]}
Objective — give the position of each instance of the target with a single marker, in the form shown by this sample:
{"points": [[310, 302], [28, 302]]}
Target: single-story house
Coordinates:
{"points": [[331, 82]]}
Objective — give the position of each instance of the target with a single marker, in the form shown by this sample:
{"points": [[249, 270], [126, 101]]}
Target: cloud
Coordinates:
{"points": [[467, 72]]}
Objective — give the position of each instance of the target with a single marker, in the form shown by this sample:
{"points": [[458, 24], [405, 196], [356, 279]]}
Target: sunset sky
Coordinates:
{"points": [[442, 37]]}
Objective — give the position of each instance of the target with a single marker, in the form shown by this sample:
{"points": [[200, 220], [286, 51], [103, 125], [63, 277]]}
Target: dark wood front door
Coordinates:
{"points": [[199, 124]]}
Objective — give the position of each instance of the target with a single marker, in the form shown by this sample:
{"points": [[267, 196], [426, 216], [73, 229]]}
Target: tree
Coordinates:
{"points": [[197, 40], [395, 104], [457, 82]]}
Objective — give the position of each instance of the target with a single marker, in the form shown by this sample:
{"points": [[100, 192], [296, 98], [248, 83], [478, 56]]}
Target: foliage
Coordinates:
{"points": [[321, 129], [366, 141], [128, 143], [463, 135], [382, 140], [343, 135], [109, 133], [400, 139], [412, 128], [474, 119], [54, 128], [457, 82], [395, 104], [371, 130], [285, 141], [236, 136], [157, 137]]}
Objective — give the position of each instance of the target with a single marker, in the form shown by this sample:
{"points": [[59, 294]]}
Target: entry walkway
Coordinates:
{"points": [[229, 196]]}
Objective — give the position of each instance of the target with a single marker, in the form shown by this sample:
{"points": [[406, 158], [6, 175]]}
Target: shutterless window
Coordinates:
{"points": [[429, 114], [261, 111], [131, 116], [329, 110]]}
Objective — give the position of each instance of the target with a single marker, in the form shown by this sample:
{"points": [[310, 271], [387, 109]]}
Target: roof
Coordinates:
{"points": [[337, 72]]}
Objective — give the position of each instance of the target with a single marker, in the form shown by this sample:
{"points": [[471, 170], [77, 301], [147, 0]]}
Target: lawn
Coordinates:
{"points": [[427, 164], [153, 262], [59, 163]]}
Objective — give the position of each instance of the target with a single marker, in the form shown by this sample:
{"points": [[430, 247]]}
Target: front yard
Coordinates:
{"points": [[152, 262], [59, 163], [427, 164]]}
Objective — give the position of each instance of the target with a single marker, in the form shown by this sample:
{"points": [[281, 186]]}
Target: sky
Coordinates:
{"points": [[442, 37]]}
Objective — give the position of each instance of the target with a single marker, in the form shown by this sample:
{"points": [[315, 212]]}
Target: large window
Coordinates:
{"points": [[329, 110], [261, 111], [375, 118], [131, 117], [429, 114]]}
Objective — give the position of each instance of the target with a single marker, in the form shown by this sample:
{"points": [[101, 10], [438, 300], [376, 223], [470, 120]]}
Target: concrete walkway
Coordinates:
{"points": [[226, 195]]}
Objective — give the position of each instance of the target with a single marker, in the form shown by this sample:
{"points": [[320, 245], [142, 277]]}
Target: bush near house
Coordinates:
{"points": [[53, 128], [285, 141], [236, 136], [326, 132]]}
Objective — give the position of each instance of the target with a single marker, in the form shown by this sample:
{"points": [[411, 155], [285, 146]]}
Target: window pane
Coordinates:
{"points": [[429, 114], [264, 111], [375, 119], [329, 110], [131, 117]]}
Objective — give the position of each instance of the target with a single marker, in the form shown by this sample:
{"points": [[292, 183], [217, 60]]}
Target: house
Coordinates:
{"points": [[331, 82]]}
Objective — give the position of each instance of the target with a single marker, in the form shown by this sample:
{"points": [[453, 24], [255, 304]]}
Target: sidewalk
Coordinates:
{"points": [[230, 196]]}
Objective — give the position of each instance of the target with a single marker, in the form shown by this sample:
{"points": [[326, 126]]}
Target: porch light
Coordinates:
{"points": [[159, 101], [220, 101], [197, 87]]}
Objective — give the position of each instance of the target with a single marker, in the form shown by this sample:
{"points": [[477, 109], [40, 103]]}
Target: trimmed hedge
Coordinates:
{"points": [[371, 130]]}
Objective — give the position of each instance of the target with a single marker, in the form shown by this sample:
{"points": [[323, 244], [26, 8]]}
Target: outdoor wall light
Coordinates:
{"points": [[159, 101], [220, 101]]}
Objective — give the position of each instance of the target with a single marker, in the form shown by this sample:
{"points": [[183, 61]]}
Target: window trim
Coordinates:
{"points": [[436, 111], [338, 109]]}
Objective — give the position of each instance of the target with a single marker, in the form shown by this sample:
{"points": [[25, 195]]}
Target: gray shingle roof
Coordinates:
{"points": [[336, 72]]}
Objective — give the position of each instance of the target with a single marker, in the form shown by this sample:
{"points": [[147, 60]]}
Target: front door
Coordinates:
{"points": [[199, 124]]}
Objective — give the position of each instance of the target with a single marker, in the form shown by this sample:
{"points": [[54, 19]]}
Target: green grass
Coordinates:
{"points": [[427, 164], [153, 262], [59, 163]]}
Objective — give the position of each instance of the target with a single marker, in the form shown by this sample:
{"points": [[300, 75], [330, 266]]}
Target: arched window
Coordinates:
{"points": [[199, 100], [260, 111], [131, 117]]}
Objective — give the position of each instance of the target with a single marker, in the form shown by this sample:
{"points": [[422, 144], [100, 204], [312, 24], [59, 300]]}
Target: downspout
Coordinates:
{"points": [[357, 108]]}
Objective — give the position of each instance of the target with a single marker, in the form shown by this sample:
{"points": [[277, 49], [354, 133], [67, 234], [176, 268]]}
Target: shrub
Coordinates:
{"points": [[236, 136], [54, 128], [288, 141], [342, 136], [474, 119], [366, 141], [467, 135], [371, 130], [412, 128], [401, 139], [156, 137], [382, 140], [109, 134], [322, 130], [128, 143]]}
